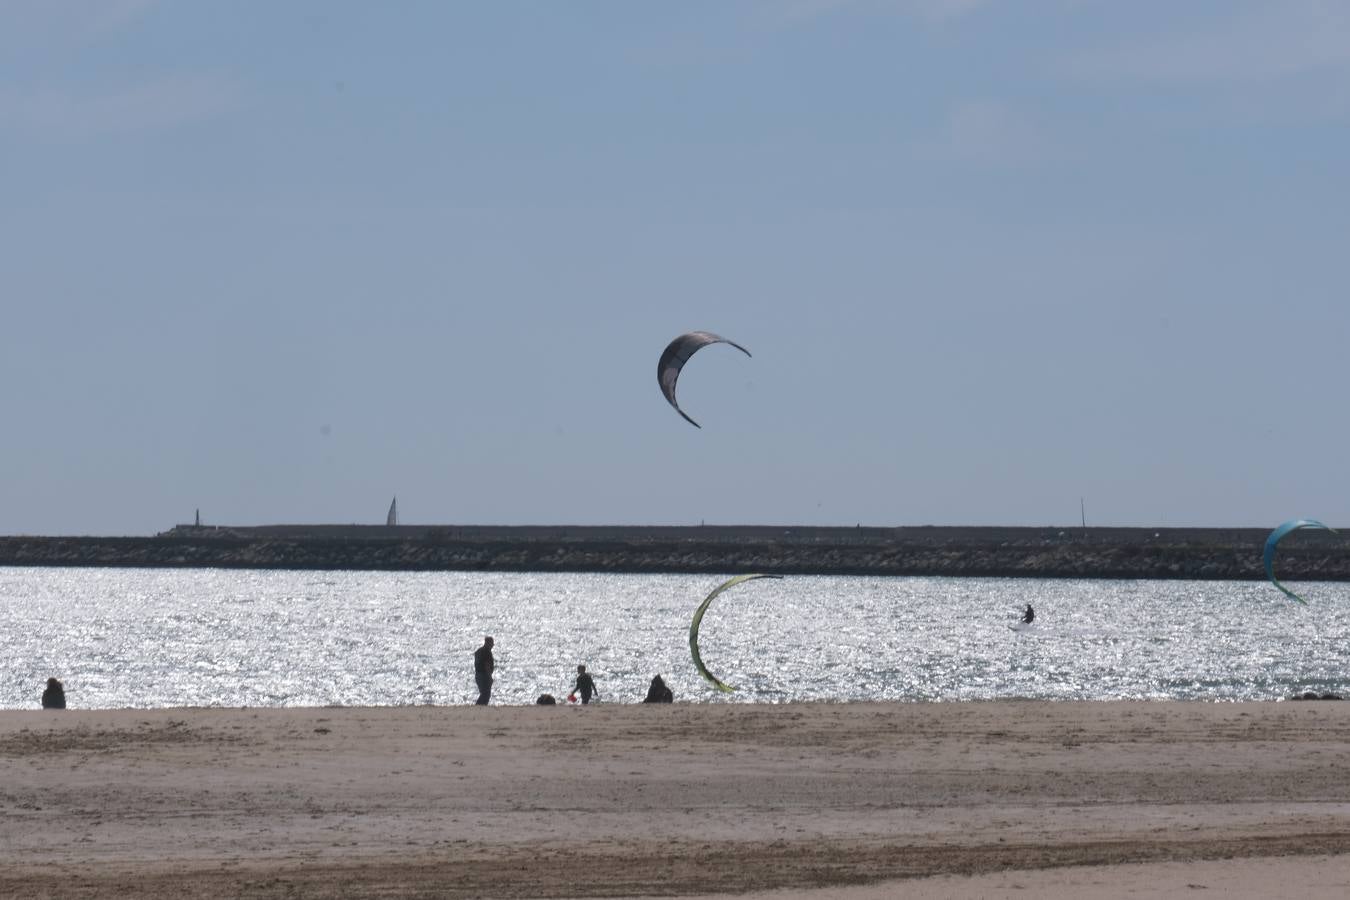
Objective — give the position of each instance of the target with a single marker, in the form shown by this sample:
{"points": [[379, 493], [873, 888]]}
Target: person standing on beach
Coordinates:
{"points": [[483, 667], [585, 686]]}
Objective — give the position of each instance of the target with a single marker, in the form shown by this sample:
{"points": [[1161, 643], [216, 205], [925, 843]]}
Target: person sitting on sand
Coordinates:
{"points": [[1029, 616], [585, 686], [658, 692], [54, 697]]}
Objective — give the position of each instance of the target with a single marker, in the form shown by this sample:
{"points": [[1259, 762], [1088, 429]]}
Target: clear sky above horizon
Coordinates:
{"points": [[281, 262]]}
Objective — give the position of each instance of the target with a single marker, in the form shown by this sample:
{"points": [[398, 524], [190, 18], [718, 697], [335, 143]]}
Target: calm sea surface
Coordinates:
{"points": [[212, 637]]}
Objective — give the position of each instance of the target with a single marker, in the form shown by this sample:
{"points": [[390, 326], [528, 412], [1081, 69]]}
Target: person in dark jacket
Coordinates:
{"points": [[54, 697], [483, 667], [658, 692], [1029, 616]]}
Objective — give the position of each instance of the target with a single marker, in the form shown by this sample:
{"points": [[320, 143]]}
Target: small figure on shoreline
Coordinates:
{"points": [[483, 667], [54, 697], [585, 686], [1029, 616], [659, 692]]}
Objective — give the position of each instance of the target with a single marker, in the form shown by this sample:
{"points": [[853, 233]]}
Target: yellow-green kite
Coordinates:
{"points": [[698, 617]]}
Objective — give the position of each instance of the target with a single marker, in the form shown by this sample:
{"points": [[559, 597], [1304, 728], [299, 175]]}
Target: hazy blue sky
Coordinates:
{"points": [[283, 261]]}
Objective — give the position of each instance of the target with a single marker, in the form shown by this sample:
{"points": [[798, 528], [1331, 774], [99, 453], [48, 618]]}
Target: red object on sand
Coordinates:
{"points": [[571, 698]]}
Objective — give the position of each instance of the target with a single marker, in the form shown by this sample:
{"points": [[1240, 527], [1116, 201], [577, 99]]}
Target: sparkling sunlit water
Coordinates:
{"points": [[156, 638]]}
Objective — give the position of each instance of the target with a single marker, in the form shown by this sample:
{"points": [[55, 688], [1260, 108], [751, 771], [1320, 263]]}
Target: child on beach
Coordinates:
{"points": [[585, 686]]}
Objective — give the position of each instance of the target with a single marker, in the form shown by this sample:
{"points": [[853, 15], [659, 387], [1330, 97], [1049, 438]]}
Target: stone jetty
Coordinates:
{"points": [[1032, 552]]}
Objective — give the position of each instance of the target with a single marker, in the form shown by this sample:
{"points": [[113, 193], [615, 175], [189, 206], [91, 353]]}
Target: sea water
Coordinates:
{"points": [[149, 638]]}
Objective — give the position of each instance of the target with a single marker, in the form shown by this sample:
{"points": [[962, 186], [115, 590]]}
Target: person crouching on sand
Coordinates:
{"points": [[659, 692], [54, 697]]}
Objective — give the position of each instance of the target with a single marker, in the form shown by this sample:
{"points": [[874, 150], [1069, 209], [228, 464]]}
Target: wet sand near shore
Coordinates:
{"points": [[841, 800]]}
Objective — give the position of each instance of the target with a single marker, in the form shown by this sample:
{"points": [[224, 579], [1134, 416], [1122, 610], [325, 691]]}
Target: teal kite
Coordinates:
{"points": [[698, 617], [1275, 537]]}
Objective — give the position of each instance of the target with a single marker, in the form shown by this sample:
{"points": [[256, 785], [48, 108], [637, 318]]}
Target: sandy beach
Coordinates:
{"points": [[854, 801]]}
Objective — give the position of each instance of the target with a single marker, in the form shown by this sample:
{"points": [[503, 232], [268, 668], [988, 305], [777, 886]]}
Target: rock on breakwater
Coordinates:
{"points": [[1191, 553]]}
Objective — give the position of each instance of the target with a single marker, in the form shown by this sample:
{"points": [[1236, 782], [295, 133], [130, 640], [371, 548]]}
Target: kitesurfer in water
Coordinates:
{"points": [[1029, 616], [483, 667], [585, 686]]}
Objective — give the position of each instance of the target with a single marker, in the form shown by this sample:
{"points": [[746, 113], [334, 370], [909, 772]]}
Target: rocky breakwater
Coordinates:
{"points": [[1006, 552]]}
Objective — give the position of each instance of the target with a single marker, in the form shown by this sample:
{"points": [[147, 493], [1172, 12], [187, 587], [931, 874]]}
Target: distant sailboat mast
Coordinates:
{"points": [[393, 513]]}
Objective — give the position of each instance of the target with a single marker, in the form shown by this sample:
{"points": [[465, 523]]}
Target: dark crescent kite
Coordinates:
{"points": [[698, 618], [677, 354]]}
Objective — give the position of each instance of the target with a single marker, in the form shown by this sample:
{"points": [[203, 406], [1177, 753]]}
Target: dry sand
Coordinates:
{"points": [[855, 801]]}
